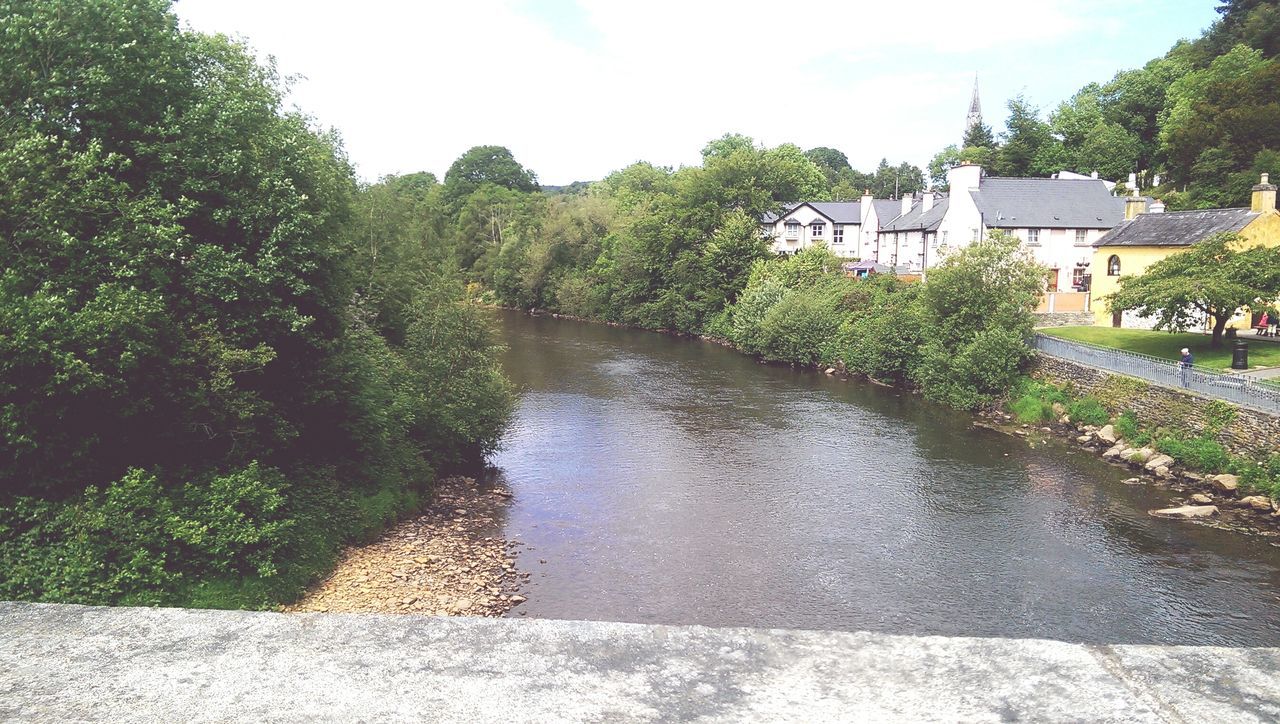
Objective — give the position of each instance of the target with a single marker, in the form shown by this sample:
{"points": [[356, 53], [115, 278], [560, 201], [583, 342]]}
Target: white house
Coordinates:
{"points": [[835, 224], [1059, 219]]}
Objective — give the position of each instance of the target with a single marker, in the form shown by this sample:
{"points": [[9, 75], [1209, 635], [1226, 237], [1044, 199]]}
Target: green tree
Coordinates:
{"points": [[1213, 279], [978, 136], [482, 165], [1025, 150]]}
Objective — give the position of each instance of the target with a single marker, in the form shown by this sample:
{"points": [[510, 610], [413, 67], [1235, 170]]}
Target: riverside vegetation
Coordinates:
{"points": [[216, 367]]}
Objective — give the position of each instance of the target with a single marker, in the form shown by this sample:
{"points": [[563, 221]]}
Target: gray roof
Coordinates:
{"points": [[1176, 228], [919, 219], [1045, 203], [839, 212], [886, 210]]}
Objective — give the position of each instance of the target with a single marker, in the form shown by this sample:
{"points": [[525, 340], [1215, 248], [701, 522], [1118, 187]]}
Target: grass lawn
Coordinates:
{"points": [[1166, 346]]}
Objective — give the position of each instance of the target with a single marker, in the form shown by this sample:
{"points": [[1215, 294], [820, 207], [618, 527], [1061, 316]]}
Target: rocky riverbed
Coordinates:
{"points": [[1213, 500], [451, 560]]}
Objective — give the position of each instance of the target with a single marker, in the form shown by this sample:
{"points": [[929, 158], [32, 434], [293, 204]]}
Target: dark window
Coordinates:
{"points": [[1113, 266]]}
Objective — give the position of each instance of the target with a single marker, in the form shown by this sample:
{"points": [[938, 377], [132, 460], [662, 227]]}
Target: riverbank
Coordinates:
{"points": [[450, 560]]}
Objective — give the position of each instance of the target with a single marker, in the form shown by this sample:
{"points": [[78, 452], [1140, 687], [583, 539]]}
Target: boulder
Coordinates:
{"points": [[1107, 434], [1113, 452], [1064, 420], [1059, 408], [1257, 502], [1226, 483], [1139, 456], [1083, 439], [1163, 472], [1201, 498], [1186, 511], [1158, 461], [1193, 477]]}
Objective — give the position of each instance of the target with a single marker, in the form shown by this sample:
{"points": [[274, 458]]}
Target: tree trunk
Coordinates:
{"points": [[1219, 324]]}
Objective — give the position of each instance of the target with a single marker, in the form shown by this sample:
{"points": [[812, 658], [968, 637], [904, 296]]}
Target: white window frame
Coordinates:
{"points": [[837, 234], [1082, 237], [817, 229], [1033, 237]]}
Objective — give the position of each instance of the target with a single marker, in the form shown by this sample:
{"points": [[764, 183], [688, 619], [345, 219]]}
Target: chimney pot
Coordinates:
{"points": [[1264, 196]]}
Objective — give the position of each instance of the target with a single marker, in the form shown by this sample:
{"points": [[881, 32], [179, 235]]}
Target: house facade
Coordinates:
{"points": [[1146, 237], [1058, 219], [834, 224]]}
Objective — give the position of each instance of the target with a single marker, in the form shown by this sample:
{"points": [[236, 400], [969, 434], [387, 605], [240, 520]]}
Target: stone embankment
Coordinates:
{"points": [[450, 560]]}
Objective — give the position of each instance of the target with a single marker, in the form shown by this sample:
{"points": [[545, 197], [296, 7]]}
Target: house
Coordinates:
{"points": [[832, 223], [1145, 237], [1058, 219]]}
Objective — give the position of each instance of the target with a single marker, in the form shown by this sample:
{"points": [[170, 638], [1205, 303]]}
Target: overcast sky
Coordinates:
{"points": [[579, 88]]}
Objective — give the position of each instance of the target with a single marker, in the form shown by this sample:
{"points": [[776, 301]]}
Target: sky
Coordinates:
{"points": [[579, 88]]}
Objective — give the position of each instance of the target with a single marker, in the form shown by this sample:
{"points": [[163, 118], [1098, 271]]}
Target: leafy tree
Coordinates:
{"points": [[978, 303], [1213, 279], [979, 136], [482, 165], [1025, 142]]}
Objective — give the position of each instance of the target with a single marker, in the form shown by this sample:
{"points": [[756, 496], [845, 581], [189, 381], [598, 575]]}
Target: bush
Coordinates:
{"points": [[1201, 453], [798, 327], [1088, 410], [1126, 425]]}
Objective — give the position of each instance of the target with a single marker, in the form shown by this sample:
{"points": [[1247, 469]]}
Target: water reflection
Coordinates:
{"points": [[668, 480]]}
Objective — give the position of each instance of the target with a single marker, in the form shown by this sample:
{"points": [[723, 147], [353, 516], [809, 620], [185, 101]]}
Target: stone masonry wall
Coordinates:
{"points": [[1249, 433], [1064, 319]]}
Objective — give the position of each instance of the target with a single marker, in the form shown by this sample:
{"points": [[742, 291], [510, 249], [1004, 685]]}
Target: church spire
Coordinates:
{"points": [[975, 109]]}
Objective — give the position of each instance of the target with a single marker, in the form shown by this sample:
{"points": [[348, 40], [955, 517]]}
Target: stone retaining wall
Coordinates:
{"points": [[1064, 319], [1249, 433]]}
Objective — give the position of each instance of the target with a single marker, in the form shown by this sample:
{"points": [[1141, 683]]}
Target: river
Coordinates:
{"points": [[667, 480]]}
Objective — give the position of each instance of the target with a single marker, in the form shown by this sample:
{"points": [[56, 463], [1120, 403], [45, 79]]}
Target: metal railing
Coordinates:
{"points": [[1244, 391]]}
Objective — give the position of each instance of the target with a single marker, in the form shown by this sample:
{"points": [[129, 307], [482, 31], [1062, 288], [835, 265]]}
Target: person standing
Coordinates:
{"points": [[1184, 365]]}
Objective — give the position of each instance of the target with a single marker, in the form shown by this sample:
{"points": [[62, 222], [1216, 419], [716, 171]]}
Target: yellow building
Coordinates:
{"points": [[1142, 239]]}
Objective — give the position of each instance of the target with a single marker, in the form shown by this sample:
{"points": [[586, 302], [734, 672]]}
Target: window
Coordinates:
{"points": [[1113, 266], [837, 234], [816, 228], [1033, 237], [944, 238], [933, 239], [793, 229], [976, 234], [1082, 237], [1077, 277]]}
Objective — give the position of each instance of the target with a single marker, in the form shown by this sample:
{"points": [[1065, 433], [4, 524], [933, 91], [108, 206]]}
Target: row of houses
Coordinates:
{"points": [[1059, 219], [1073, 224]]}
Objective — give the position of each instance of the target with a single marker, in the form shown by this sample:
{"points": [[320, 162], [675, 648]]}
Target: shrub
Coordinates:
{"points": [[797, 328], [1089, 411], [1126, 425], [1200, 453], [1030, 409]]}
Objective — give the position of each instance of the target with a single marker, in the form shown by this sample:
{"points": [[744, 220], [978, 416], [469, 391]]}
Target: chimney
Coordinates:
{"points": [[1264, 196], [907, 199], [1134, 205], [1157, 207], [927, 200], [964, 177], [1094, 175], [1133, 181]]}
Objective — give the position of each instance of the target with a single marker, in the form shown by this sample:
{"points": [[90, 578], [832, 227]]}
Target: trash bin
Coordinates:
{"points": [[1240, 355]]}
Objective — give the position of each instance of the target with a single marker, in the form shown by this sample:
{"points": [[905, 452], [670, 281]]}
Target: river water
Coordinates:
{"points": [[667, 480]]}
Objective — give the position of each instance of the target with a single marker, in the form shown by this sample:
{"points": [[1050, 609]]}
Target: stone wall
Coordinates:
{"points": [[1249, 433], [1064, 319]]}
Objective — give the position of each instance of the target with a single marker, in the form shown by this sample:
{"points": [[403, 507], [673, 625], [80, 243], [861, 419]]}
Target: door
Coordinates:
{"points": [[1115, 319], [1053, 280]]}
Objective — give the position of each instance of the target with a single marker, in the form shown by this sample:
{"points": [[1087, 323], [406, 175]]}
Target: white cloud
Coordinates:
{"points": [[413, 85]]}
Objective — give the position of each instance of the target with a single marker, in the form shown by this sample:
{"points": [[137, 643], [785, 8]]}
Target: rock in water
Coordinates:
{"points": [[1257, 502], [1107, 434], [1201, 498], [1187, 511], [1226, 483], [1159, 461]]}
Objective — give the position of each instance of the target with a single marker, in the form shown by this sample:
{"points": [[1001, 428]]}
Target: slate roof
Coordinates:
{"points": [[886, 210], [839, 212], [1176, 228], [1019, 203], [919, 219]]}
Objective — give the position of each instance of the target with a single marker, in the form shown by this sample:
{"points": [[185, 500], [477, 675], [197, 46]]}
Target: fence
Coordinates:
{"points": [[1245, 391], [1063, 302]]}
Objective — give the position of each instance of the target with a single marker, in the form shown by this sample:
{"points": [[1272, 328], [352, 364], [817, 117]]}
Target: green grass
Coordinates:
{"points": [[1167, 346]]}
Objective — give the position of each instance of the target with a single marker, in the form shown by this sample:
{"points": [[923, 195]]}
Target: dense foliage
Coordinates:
{"points": [[212, 372], [1201, 118]]}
